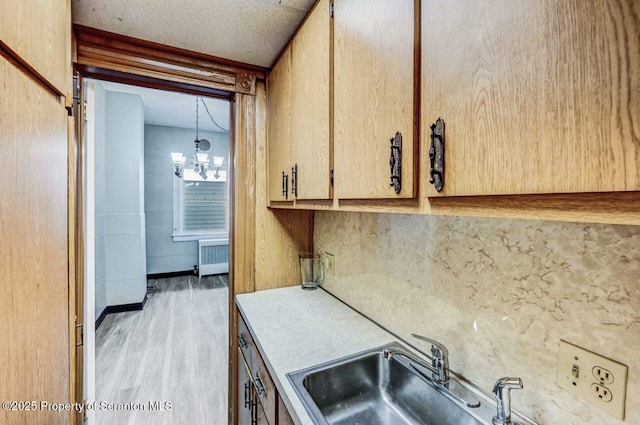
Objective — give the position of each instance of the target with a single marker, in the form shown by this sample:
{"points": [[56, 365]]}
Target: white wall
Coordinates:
{"points": [[164, 255], [92, 262], [99, 193], [124, 199]]}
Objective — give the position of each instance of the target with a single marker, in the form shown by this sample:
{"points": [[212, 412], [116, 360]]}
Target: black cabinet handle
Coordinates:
{"points": [[436, 155], [247, 394], [254, 413], [395, 162], [285, 185], [294, 180]]}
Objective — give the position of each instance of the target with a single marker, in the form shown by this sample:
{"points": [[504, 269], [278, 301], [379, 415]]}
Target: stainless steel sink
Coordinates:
{"points": [[370, 388]]}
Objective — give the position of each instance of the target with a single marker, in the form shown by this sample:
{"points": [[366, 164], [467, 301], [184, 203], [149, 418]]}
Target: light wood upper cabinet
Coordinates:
{"points": [[310, 104], [299, 119], [40, 33], [279, 127], [374, 75], [537, 97]]}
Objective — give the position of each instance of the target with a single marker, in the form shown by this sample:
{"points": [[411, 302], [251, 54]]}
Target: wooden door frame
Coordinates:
{"points": [[113, 57], [76, 247]]}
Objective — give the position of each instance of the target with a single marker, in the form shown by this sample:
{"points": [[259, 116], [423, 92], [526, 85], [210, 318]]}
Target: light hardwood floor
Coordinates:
{"points": [[175, 350]]}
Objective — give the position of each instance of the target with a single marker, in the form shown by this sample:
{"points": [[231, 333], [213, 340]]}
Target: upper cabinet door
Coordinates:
{"points": [[536, 96], [39, 31], [310, 107], [374, 76], [279, 128]]}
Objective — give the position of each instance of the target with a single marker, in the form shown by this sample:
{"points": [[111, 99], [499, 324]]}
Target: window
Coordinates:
{"points": [[200, 207]]}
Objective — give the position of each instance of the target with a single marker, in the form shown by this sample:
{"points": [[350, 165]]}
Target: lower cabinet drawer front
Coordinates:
{"points": [[245, 340], [266, 391], [264, 387]]}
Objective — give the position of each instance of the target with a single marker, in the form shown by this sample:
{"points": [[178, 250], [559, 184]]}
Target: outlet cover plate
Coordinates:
{"points": [[577, 373], [329, 263]]}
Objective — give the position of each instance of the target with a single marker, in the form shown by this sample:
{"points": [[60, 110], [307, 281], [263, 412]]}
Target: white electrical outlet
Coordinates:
{"points": [[329, 263], [602, 375], [598, 380]]}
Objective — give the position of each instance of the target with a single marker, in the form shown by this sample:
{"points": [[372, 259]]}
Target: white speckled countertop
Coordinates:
{"points": [[320, 327]]}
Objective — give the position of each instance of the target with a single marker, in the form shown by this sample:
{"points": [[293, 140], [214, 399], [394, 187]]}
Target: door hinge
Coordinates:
{"points": [[79, 334], [331, 177], [76, 88], [84, 111], [75, 93], [331, 9]]}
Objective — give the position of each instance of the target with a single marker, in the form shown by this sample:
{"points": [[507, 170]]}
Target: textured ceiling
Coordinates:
{"points": [[249, 31], [174, 109]]}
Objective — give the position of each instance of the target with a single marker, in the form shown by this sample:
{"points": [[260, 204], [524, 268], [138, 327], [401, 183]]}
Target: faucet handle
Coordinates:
{"points": [[502, 393], [439, 358], [438, 350]]}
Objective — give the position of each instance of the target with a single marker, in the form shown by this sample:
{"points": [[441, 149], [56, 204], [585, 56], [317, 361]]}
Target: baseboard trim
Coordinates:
{"points": [[102, 316], [120, 309], [170, 274]]}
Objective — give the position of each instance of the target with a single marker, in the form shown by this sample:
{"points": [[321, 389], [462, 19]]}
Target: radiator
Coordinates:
{"points": [[213, 256]]}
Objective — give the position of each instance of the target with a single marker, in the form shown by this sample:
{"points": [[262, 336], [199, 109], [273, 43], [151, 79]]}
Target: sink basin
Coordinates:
{"points": [[369, 389]]}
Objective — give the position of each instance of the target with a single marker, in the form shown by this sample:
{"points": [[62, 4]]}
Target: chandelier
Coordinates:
{"points": [[200, 161]]}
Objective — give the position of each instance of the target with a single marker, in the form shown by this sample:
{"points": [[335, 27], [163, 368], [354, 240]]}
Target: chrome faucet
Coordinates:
{"points": [[439, 359], [502, 392], [439, 369]]}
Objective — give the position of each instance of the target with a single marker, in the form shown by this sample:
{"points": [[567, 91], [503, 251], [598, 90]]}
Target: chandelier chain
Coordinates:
{"points": [[210, 116]]}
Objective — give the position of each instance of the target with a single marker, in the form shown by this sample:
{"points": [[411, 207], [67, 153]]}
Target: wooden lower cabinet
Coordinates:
{"points": [[245, 389], [250, 411], [284, 418], [258, 401], [259, 415]]}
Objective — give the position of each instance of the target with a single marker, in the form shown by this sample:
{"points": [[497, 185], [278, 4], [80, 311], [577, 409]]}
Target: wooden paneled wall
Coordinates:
{"points": [[38, 35], [35, 249], [264, 243], [34, 297]]}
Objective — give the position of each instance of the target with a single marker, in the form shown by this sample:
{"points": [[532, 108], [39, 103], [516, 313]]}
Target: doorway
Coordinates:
{"points": [[160, 347]]}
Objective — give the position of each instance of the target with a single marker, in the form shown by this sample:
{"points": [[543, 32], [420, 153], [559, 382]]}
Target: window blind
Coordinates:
{"points": [[205, 206]]}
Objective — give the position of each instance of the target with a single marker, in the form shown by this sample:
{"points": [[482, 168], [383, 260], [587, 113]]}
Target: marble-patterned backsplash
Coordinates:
{"points": [[500, 294]]}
